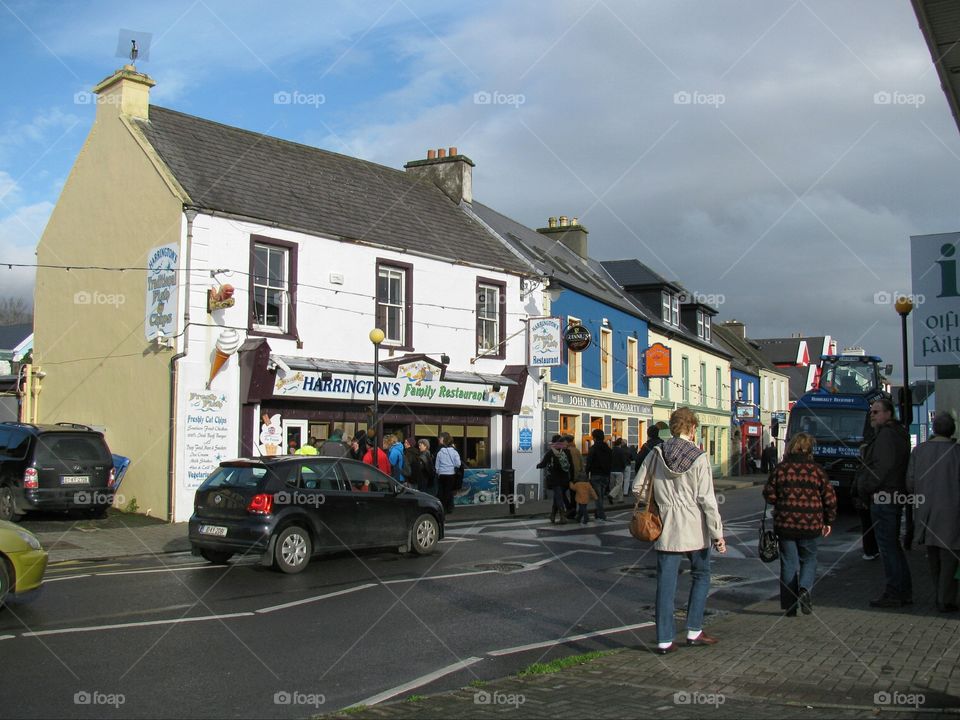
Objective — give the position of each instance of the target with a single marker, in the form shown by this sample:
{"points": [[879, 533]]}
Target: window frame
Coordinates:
{"points": [[574, 359], [685, 378], [703, 384], [606, 359], [500, 352], [706, 327], [719, 378], [291, 249], [665, 306], [380, 316], [633, 354], [675, 310]]}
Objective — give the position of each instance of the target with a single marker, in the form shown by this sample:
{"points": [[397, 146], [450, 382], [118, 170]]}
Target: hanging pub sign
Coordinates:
{"points": [[577, 338], [543, 341], [657, 361]]}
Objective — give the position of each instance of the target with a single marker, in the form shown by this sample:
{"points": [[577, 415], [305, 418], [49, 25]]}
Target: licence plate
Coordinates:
{"points": [[835, 483], [75, 480], [217, 530]]}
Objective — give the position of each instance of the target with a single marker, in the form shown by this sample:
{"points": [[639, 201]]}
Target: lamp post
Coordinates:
{"points": [[903, 306], [376, 337]]}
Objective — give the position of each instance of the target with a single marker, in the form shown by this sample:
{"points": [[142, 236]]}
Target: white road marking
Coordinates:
{"points": [[591, 540], [7, 637], [520, 544], [68, 577], [540, 563], [316, 598], [198, 566], [422, 680], [569, 638], [455, 540], [437, 577], [772, 578], [146, 623]]}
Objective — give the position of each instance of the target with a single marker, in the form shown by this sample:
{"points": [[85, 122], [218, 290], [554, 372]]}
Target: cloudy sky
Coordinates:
{"points": [[774, 155]]}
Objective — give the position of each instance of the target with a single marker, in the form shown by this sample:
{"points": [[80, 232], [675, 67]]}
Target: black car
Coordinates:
{"points": [[53, 467], [292, 507]]}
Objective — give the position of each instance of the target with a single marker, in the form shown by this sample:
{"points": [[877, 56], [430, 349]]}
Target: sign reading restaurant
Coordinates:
{"points": [[589, 402], [407, 388]]}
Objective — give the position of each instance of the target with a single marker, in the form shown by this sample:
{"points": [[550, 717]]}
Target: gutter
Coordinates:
{"points": [[191, 215]]}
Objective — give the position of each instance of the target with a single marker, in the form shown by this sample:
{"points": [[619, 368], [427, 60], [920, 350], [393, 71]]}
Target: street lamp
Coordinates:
{"points": [[376, 337], [903, 306]]}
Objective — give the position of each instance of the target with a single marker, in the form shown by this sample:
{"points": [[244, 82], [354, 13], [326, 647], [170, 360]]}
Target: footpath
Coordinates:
{"points": [[845, 660]]}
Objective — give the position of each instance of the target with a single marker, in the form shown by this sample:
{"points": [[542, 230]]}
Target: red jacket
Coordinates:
{"points": [[383, 462]]}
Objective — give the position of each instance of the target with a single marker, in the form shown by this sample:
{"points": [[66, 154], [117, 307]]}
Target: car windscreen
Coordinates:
{"points": [[833, 425], [247, 477], [66, 447]]}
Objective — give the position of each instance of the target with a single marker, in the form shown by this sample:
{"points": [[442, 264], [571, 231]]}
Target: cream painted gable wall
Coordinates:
{"points": [[696, 355], [89, 336]]}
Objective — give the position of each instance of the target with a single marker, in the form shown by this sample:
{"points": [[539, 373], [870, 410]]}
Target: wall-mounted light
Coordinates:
{"points": [[445, 359], [326, 376], [496, 387]]}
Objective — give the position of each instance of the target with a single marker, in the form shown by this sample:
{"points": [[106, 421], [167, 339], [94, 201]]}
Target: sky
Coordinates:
{"points": [[773, 156]]}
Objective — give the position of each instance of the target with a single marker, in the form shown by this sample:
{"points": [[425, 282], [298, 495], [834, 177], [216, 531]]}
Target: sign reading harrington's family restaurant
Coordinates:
{"points": [[544, 340], [416, 383], [936, 298], [162, 296]]}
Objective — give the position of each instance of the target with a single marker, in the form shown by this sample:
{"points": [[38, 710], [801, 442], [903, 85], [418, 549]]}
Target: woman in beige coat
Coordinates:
{"points": [[683, 493]]}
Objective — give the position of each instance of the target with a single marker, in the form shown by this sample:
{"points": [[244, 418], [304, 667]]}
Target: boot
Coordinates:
{"points": [[553, 516], [563, 521]]}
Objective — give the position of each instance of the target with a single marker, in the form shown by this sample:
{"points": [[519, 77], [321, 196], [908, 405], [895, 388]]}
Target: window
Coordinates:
{"points": [[606, 359], [319, 475], [699, 323], [573, 359], [706, 327], [675, 310], [665, 300], [366, 478], [395, 303], [632, 366], [719, 389], [685, 379], [750, 393], [273, 270], [703, 384], [618, 428], [568, 425], [491, 318], [665, 388]]}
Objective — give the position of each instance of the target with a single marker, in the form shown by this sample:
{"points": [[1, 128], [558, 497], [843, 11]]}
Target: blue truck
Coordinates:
{"points": [[837, 415]]}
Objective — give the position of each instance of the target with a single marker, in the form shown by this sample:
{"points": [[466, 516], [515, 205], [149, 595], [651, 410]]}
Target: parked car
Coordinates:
{"points": [[53, 467], [22, 561], [292, 507]]}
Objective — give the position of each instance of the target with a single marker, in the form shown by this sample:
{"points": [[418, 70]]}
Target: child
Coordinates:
{"points": [[585, 493]]}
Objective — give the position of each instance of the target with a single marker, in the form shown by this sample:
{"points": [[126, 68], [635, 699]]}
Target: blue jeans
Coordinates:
{"points": [[600, 485], [798, 568], [668, 565], [886, 526]]}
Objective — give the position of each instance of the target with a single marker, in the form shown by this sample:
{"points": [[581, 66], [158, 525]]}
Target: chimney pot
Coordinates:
{"points": [[453, 151], [441, 153], [431, 154], [551, 222], [563, 221], [574, 222]]}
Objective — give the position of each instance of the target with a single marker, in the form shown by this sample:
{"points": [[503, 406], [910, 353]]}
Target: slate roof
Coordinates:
{"points": [[745, 351], [633, 273], [13, 335], [316, 191], [553, 258]]}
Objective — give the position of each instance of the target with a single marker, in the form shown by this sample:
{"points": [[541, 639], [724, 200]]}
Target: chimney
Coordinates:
{"points": [[570, 232], [452, 173], [736, 327], [127, 90]]}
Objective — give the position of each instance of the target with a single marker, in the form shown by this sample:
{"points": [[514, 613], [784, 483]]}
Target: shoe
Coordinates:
{"points": [[672, 647], [792, 612], [885, 601], [704, 639], [553, 517], [868, 556], [563, 520], [583, 522], [806, 604]]}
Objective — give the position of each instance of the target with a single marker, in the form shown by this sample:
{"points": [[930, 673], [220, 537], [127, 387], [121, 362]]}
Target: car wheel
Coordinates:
{"points": [[4, 581], [217, 557], [425, 535], [292, 550], [8, 511]]}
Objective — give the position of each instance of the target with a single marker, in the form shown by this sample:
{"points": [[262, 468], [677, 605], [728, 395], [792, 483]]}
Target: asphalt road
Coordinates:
{"points": [[137, 638]]}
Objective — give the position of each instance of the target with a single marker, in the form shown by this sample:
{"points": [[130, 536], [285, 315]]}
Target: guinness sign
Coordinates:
{"points": [[577, 338]]}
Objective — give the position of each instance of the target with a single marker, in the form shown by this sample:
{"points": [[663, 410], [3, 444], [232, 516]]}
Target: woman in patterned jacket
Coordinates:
{"points": [[804, 508]]}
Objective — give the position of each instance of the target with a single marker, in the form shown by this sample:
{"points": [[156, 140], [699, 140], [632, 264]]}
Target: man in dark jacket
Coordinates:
{"points": [[768, 459], [653, 439], [620, 456], [334, 445], [883, 480], [597, 465]]}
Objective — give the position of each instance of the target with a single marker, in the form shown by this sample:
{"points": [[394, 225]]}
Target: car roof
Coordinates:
{"points": [[275, 459], [48, 428]]}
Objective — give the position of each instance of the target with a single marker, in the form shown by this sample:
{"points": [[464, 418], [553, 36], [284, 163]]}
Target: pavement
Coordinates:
{"points": [[125, 535], [845, 660]]}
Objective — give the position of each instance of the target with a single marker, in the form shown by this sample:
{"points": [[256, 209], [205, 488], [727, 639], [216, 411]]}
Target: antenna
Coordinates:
{"points": [[133, 51]]}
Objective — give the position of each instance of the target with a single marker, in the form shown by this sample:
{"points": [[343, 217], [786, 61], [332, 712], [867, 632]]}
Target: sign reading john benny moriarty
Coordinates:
{"points": [[411, 388], [161, 305]]}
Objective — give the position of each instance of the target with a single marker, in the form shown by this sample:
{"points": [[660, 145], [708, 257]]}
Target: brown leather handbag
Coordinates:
{"points": [[645, 524]]}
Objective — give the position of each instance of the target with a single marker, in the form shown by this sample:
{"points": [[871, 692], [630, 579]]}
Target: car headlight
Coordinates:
{"points": [[29, 539]]}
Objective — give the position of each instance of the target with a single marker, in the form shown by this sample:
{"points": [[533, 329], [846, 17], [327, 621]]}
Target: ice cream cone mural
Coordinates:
{"points": [[227, 344]]}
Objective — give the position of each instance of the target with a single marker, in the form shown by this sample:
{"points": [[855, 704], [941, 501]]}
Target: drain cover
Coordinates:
{"points": [[725, 579], [500, 567]]}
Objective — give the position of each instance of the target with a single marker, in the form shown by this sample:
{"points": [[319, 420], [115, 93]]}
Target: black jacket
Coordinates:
{"points": [[885, 459], [647, 448], [599, 460], [556, 476]]}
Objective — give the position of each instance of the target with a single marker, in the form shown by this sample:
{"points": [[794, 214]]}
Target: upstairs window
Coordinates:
{"points": [[699, 323], [606, 360], [675, 311], [573, 358], [491, 319], [632, 354], [706, 327], [272, 277], [394, 304], [665, 302]]}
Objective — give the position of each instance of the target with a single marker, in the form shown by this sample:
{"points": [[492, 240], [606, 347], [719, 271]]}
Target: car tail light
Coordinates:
{"points": [[262, 504], [111, 478], [30, 479]]}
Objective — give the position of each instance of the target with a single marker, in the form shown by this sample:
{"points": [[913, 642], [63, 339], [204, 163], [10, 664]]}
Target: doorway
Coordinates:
{"points": [[294, 431]]}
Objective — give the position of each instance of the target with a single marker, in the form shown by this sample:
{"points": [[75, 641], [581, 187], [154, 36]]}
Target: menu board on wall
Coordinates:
{"points": [[206, 436], [160, 316]]}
